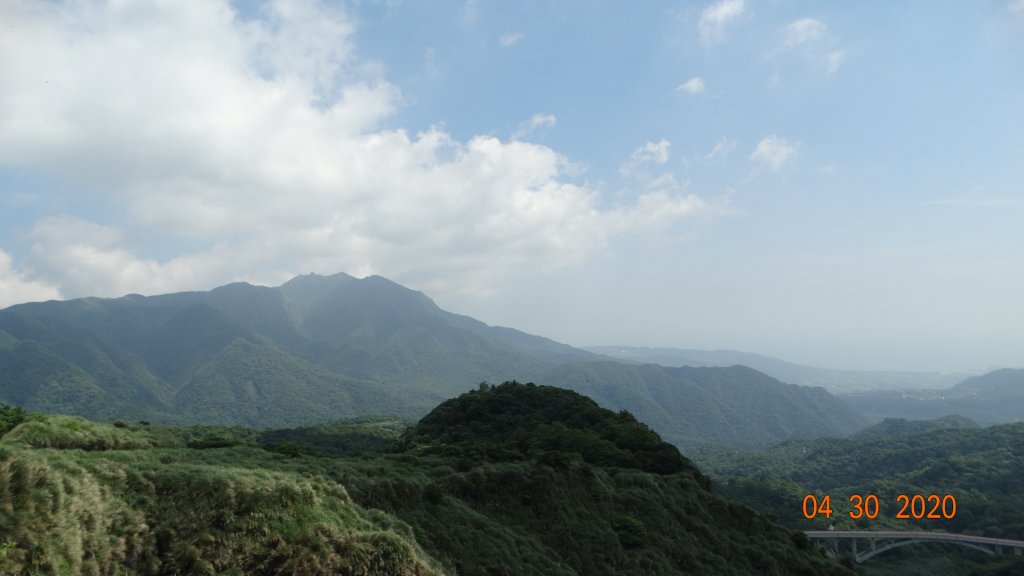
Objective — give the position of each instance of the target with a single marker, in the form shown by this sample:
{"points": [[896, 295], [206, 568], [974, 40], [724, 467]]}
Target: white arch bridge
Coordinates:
{"points": [[879, 541]]}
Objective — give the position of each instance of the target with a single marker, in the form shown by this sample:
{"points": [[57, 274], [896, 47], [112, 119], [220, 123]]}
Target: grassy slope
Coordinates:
{"points": [[86, 498]]}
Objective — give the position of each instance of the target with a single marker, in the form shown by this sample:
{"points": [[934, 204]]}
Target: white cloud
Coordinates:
{"points": [[16, 288], [649, 153], [834, 60], [812, 38], [536, 121], [694, 85], [658, 208], [773, 152], [722, 148], [1016, 6], [717, 18], [304, 40], [804, 31], [254, 150], [511, 38]]}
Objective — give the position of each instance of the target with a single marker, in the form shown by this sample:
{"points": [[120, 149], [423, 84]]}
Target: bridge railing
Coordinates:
{"points": [[896, 538]]}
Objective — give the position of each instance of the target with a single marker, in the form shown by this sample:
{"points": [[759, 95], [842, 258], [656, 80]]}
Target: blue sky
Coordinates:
{"points": [[833, 183]]}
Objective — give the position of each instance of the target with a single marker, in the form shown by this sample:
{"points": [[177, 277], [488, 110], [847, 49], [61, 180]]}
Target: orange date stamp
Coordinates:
{"points": [[911, 506]]}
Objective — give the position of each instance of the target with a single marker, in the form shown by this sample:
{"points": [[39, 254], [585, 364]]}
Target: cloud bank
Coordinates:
{"points": [[15, 288], [217, 148]]}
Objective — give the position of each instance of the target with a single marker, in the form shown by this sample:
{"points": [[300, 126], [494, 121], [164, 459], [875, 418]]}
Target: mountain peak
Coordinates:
{"points": [[314, 279]]}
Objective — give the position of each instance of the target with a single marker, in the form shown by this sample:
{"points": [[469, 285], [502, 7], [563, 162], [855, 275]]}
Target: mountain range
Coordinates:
{"points": [[319, 348], [993, 398], [835, 381]]}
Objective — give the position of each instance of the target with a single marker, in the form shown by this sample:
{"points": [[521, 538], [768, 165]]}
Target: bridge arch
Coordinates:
{"points": [[867, 554], [883, 541]]}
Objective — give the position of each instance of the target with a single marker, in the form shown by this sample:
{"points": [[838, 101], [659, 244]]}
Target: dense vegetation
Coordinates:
{"points": [[309, 350], [516, 422], [319, 348], [691, 407], [85, 498], [981, 467], [547, 484], [11, 416]]}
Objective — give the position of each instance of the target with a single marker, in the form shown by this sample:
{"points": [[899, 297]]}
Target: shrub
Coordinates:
{"points": [[631, 532], [432, 494], [11, 416]]}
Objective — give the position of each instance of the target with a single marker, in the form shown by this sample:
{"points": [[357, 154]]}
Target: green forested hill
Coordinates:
{"points": [[320, 347], [982, 468], [898, 426], [736, 406], [513, 479]]}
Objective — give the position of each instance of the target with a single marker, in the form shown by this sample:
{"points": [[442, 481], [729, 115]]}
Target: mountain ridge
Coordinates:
{"points": [[837, 381], [745, 408], [320, 347], [995, 397]]}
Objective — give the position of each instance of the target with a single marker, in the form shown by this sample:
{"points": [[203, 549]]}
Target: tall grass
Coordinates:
{"points": [[78, 497], [72, 432]]}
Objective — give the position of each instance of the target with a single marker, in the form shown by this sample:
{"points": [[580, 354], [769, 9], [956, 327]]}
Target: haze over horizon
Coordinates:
{"points": [[834, 185]]}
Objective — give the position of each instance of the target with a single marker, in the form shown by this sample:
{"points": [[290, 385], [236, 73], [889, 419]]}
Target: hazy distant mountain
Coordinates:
{"points": [[737, 406], [836, 381], [1008, 382], [323, 347], [993, 398]]}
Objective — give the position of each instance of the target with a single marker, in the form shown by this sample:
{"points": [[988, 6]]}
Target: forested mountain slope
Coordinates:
{"points": [[736, 406], [981, 467], [300, 352], [322, 347]]}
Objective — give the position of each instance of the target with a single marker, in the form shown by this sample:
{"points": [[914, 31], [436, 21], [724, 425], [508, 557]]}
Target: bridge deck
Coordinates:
{"points": [[914, 535], [890, 539]]}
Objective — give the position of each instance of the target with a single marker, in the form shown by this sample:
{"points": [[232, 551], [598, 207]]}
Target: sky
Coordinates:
{"points": [[833, 183]]}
